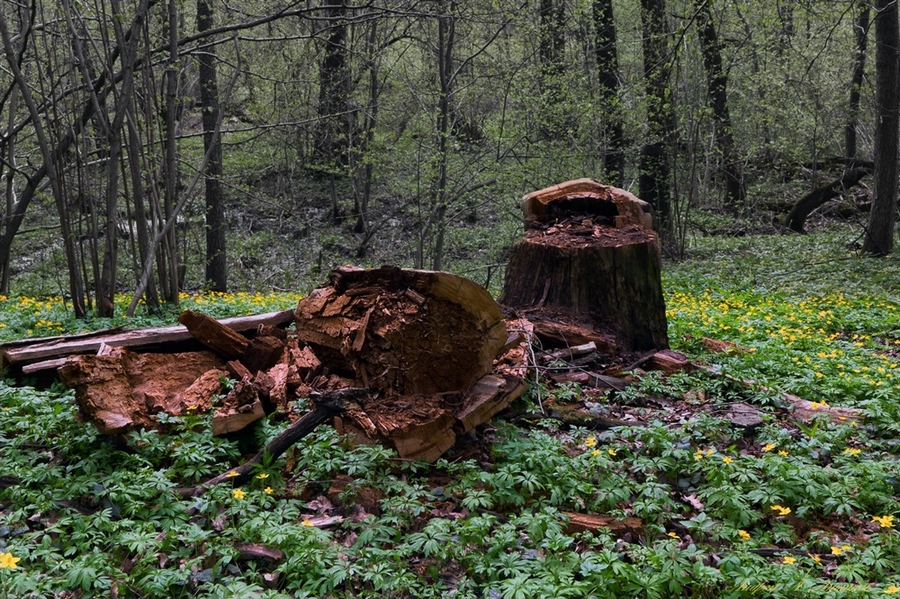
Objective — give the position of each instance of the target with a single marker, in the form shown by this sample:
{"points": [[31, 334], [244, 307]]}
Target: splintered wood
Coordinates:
{"points": [[432, 351], [423, 342]]}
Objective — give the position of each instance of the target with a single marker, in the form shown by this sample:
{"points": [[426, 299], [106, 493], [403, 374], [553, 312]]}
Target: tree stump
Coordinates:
{"points": [[590, 256]]}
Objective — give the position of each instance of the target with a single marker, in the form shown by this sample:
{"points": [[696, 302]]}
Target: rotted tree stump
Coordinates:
{"points": [[590, 256]]}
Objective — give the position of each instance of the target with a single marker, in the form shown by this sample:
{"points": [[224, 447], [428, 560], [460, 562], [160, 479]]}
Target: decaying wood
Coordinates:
{"points": [[591, 522], [258, 551], [556, 334], [801, 409], [396, 344], [590, 250], [46, 350], [240, 407], [124, 390], [216, 336]]}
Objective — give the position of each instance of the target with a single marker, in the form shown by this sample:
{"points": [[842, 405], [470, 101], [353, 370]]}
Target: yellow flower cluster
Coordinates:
{"points": [[884, 521]]}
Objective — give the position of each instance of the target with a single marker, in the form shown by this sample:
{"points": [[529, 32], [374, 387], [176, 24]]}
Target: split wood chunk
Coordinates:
{"points": [[590, 249], [241, 407], [405, 332], [123, 390], [210, 332], [590, 522]]}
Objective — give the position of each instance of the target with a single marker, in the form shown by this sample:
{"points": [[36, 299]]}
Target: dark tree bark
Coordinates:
{"points": [[654, 177], [216, 266], [717, 91], [610, 86], [879, 239], [334, 86], [859, 64]]}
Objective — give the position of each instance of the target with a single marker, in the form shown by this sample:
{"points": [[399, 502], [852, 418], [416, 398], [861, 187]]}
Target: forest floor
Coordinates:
{"points": [[692, 503]]}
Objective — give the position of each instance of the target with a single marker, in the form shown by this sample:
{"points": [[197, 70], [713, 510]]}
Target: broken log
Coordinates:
{"points": [[403, 331], [32, 351], [216, 336], [589, 250]]}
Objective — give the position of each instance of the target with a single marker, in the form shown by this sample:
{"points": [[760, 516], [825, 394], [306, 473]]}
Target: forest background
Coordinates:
{"points": [[157, 146]]}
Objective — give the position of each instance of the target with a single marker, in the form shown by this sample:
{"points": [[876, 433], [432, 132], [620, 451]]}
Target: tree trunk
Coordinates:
{"points": [[879, 239], [859, 64], [590, 254], [334, 87], [610, 86], [717, 91], [216, 265], [654, 177]]}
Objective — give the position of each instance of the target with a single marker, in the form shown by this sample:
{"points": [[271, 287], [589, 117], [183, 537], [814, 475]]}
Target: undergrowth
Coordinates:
{"points": [[707, 509]]}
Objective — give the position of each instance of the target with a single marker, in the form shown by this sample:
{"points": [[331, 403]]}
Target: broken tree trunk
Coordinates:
{"points": [[424, 342], [590, 256]]}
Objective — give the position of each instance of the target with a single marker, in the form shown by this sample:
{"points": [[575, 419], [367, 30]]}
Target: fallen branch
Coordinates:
{"points": [[326, 406]]}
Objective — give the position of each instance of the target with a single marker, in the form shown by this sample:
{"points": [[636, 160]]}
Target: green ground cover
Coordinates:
{"points": [[791, 510]]}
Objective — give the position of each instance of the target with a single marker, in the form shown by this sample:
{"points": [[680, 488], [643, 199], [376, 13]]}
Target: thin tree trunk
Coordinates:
{"points": [[717, 91], [610, 86], [170, 248], [879, 239], [216, 264], [654, 169], [446, 39], [859, 65]]}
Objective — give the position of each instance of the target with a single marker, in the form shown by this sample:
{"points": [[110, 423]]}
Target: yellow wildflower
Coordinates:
{"points": [[745, 536], [611, 451], [783, 453], [262, 475], [787, 559], [852, 451], [268, 490], [238, 494], [673, 535], [892, 590], [884, 521], [768, 447], [816, 559], [727, 460], [595, 453], [590, 441], [7, 560], [782, 511], [232, 474], [307, 522]]}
